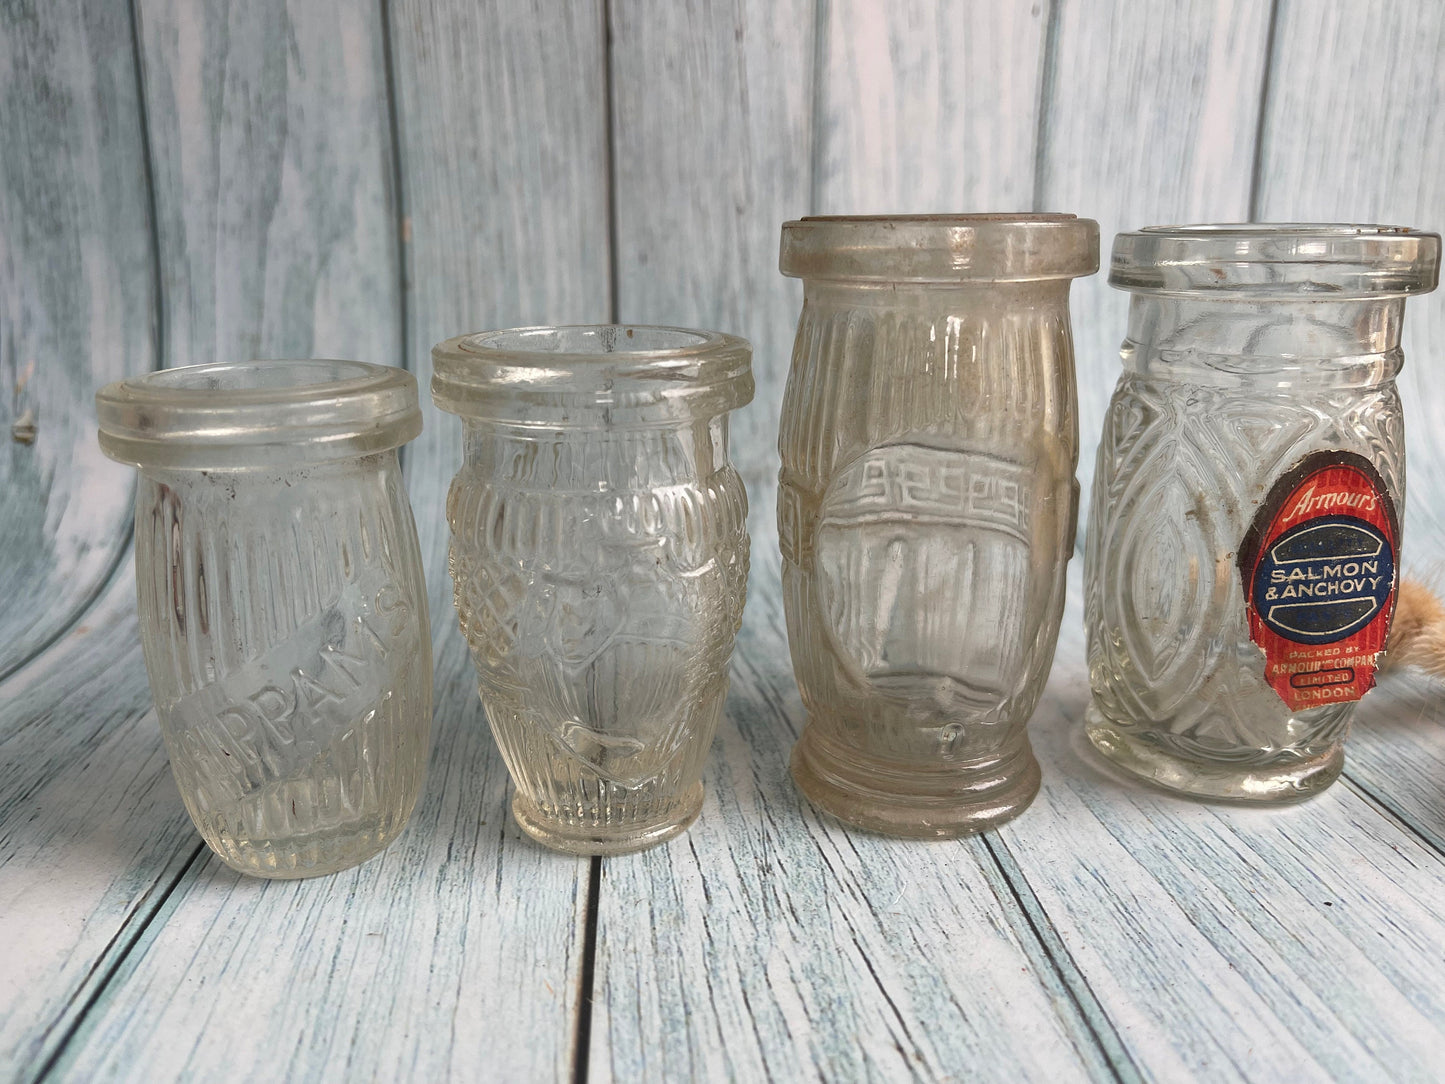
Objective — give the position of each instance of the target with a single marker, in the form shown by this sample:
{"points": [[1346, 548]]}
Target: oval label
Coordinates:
{"points": [[1318, 567]]}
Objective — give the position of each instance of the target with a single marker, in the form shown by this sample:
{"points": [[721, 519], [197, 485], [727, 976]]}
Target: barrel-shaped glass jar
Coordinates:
{"points": [[926, 507], [283, 613], [600, 559], [1243, 541]]}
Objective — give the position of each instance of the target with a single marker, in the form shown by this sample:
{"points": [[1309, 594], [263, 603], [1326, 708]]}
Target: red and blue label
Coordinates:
{"points": [[1319, 570]]}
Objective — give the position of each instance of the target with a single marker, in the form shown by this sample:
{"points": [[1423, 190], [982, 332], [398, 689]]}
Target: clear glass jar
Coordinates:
{"points": [[926, 507], [282, 608], [600, 562], [1244, 534]]}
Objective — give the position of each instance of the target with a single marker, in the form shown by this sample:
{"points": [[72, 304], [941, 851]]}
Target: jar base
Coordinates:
{"points": [[294, 860], [922, 804], [574, 838], [1181, 775]]}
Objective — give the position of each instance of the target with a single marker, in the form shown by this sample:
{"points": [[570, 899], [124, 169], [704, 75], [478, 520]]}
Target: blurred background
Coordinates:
{"points": [[186, 181]]}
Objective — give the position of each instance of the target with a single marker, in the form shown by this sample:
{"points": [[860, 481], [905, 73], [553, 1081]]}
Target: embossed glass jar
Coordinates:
{"points": [[283, 614], [926, 507], [600, 561], [1243, 539]]}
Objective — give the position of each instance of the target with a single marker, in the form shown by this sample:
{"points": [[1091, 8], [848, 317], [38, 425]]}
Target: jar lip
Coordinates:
{"points": [[237, 414], [559, 374], [1309, 261], [940, 248]]}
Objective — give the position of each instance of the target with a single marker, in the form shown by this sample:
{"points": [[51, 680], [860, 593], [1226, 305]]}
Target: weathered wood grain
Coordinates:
{"points": [[1342, 141], [92, 832], [1149, 118], [712, 121], [1224, 942], [272, 159], [770, 943], [77, 305], [928, 107]]}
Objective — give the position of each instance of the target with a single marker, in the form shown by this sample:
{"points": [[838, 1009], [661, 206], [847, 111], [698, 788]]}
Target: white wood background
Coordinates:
{"points": [[186, 181]]}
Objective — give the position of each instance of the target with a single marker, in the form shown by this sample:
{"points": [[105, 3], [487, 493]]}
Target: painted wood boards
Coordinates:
{"points": [[77, 306]]}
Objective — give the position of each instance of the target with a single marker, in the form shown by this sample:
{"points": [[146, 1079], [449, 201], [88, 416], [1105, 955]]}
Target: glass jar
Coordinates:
{"points": [[283, 613], [926, 507], [600, 562], [1244, 538]]}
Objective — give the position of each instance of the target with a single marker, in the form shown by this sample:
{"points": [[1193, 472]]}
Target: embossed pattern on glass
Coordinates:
{"points": [[926, 508], [282, 607], [1248, 349], [600, 559]]}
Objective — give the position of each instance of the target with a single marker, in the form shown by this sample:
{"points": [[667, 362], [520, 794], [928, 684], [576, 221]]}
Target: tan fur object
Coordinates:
{"points": [[1417, 634]]}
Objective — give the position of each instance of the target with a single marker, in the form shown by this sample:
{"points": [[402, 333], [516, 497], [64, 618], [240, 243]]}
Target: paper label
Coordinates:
{"points": [[1318, 567]]}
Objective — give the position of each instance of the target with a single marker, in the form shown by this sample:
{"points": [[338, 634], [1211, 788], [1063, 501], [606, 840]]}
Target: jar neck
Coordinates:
{"points": [[583, 459], [1279, 342], [984, 298]]}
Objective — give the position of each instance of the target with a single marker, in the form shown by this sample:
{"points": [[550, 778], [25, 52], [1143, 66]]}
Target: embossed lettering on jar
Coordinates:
{"points": [[926, 507], [282, 607], [1243, 543], [600, 559]]}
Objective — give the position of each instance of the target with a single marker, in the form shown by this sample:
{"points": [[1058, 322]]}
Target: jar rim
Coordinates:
{"points": [[561, 374], [1310, 261], [940, 248], [246, 413]]}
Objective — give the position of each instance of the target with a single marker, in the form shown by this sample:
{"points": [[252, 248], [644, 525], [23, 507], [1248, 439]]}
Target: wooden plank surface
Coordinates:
{"points": [[1149, 117], [77, 306], [698, 219], [926, 107], [92, 831], [272, 161]]}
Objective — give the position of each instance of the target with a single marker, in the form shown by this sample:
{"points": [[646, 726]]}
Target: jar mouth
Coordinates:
{"points": [[940, 249], [240, 414], [1308, 261], [569, 374]]}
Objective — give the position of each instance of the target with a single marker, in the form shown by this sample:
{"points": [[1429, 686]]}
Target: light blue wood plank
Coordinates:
{"points": [[1233, 943], [1149, 117], [270, 138], [698, 219], [77, 305], [928, 107], [92, 832]]}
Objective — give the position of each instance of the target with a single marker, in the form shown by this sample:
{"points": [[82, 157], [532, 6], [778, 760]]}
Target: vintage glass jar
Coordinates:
{"points": [[600, 561], [283, 614], [926, 507], [1244, 538]]}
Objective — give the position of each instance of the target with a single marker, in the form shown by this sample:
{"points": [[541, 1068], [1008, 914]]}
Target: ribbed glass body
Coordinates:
{"points": [[282, 607], [926, 515], [600, 567], [1234, 376], [283, 617]]}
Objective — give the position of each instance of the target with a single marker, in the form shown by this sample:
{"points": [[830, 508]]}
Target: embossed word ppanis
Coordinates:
{"points": [[1318, 568]]}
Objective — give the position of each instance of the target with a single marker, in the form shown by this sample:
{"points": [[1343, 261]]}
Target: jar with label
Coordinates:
{"points": [[926, 507], [283, 614], [1244, 534], [600, 561]]}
